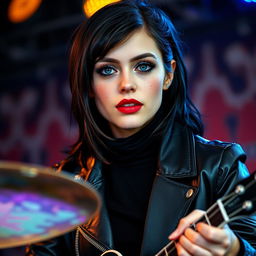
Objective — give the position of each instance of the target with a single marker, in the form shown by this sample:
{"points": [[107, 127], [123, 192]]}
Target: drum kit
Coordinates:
{"points": [[37, 203]]}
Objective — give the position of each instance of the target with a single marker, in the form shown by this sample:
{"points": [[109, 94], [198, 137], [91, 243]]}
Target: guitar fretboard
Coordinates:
{"points": [[214, 216]]}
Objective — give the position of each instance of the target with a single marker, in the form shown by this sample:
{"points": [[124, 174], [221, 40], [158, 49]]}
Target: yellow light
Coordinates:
{"points": [[20, 10], [91, 6]]}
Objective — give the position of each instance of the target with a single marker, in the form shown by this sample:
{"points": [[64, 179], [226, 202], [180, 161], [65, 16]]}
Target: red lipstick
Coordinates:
{"points": [[130, 106]]}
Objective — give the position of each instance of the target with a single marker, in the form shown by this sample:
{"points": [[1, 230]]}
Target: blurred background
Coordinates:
{"points": [[35, 120]]}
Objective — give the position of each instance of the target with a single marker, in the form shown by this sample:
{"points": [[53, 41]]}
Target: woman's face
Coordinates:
{"points": [[128, 84]]}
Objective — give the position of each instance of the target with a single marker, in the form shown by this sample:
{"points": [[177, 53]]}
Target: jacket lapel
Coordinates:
{"points": [[168, 203], [170, 199], [177, 153]]}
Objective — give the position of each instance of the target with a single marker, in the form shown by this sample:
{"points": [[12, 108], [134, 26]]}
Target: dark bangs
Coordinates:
{"points": [[116, 28]]}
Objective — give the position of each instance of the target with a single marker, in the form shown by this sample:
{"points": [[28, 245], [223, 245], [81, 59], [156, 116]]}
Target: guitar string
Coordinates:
{"points": [[173, 248], [212, 214], [163, 250], [232, 218], [230, 199]]}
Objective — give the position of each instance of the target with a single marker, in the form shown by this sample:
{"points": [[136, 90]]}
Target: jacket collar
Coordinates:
{"points": [[177, 157]]}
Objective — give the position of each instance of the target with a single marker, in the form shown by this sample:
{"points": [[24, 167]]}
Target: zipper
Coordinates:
{"points": [[77, 243], [87, 236], [91, 239]]}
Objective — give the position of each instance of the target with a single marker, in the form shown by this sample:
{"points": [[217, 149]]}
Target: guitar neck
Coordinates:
{"points": [[214, 216]]}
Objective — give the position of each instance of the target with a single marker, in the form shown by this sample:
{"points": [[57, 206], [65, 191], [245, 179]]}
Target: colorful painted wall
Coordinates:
{"points": [[35, 124]]}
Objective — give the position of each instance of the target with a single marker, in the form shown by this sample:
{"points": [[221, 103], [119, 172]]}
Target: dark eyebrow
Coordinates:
{"points": [[144, 55], [141, 56]]}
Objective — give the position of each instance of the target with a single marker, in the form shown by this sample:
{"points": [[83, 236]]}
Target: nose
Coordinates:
{"points": [[127, 83]]}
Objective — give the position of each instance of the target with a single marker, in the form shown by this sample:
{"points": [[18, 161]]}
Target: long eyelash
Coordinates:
{"points": [[150, 64], [100, 69]]}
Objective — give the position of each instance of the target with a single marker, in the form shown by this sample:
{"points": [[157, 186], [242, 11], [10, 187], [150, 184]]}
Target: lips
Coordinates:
{"points": [[130, 106]]}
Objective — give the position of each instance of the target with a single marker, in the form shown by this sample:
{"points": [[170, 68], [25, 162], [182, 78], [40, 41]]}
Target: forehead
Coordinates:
{"points": [[137, 43]]}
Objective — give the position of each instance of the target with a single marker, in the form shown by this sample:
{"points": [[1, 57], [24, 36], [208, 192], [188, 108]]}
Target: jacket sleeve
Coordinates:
{"points": [[53, 247], [233, 170]]}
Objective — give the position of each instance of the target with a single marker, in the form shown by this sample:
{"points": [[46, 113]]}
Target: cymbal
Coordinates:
{"points": [[36, 203]]}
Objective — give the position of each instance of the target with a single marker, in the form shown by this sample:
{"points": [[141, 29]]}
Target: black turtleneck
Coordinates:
{"points": [[129, 178], [128, 186]]}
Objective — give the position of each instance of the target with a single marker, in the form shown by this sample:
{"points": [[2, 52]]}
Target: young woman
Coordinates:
{"points": [[139, 144]]}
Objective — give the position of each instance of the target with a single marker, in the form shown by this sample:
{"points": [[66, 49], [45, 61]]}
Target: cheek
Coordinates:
{"points": [[101, 92], [101, 101], [156, 87]]}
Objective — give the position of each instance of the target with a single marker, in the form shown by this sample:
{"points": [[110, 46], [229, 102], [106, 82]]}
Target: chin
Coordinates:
{"points": [[132, 126]]}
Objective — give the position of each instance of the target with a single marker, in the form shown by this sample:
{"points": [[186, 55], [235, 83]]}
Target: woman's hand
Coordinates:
{"points": [[206, 240]]}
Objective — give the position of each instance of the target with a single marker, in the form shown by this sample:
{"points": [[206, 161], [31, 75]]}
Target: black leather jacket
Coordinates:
{"points": [[193, 173]]}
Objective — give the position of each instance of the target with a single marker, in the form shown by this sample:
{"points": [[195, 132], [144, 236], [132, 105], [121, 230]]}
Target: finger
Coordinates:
{"points": [[181, 251], [198, 240], [185, 223], [192, 248], [221, 239], [214, 234]]}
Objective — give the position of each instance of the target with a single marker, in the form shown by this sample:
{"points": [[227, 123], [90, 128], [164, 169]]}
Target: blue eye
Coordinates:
{"points": [[145, 66], [106, 71]]}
